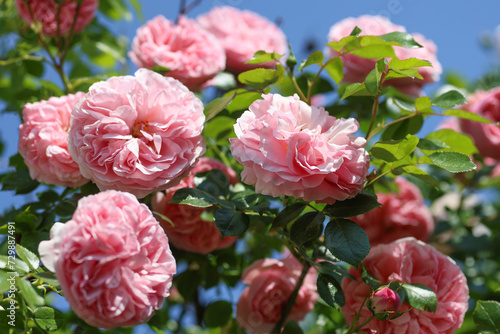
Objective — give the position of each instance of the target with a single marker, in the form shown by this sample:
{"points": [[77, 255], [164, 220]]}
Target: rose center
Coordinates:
{"points": [[138, 127]]}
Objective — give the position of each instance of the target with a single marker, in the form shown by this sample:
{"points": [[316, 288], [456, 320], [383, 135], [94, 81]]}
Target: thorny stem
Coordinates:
{"points": [[293, 297]]}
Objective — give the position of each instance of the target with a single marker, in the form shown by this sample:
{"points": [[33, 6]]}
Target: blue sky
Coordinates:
{"points": [[455, 27]]}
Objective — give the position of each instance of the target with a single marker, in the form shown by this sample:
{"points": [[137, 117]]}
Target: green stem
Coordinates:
{"points": [[299, 91], [313, 83], [374, 114], [292, 299], [396, 121]]}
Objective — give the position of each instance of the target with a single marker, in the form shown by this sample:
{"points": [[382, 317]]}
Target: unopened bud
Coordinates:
{"points": [[384, 302]]}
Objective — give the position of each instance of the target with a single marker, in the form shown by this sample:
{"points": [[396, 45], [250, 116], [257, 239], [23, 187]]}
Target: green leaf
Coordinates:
{"points": [[356, 31], [330, 290], [347, 241], [217, 105], [230, 222], [453, 161], [408, 63], [243, 99], [19, 265], [32, 298], [373, 51], [27, 256], [335, 69], [369, 279], [455, 141], [48, 318], [218, 313], [260, 78], [423, 103], [421, 175], [420, 297], [289, 213], [353, 89], [372, 80], [358, 205], [402, 38], [215, 182], [339, 45], [160, 69], [394, 150], [20, 181], [449, 99], [194, 197], [401, 129], [486, 316], [307, 227], [316, 57], [291, 327], [264, 57], [467, 115]]}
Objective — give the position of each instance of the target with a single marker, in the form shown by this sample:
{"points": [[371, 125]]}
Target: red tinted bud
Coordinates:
{"points": [[384, 301]]}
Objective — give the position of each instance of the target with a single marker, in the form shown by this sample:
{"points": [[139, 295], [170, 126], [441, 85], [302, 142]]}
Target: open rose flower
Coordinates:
{"points": [[411, 261], [270, 284], [190, 232], [357, 68], [112, 260], [190, 53], [402, 214], [242, 33], [486, 137], [43, 141], [289, 148], [137, 133], [45, 11]]}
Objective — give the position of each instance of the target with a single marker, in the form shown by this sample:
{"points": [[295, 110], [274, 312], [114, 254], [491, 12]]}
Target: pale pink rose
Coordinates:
{"points": [[112, 260], [410, 261], [270, 284], [357, 68], [137, 133], [190, 53], [402, 214], [486, 137], [191, 232], [43, 141], [289, 148], [45, 11], [242, 33]]}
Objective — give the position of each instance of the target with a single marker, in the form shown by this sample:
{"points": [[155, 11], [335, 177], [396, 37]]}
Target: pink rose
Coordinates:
{"points": [[112, 260], [384, 303], [191, 54], [357, 68], [271, 283], [401, 215], [137, 133], [410, 261], [486, 137], [43, 141], [242, 33], [191, 232], [289, 148], [45, 11]]}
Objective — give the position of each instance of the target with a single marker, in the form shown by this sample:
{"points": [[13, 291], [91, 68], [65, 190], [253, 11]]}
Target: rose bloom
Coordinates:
{"points": [[402, 214], [137, 133], [191, 54], [486, 137], [191, 232], [43, 141], [357, 68], [289, 148], [410, 261], [270, 284], [45, 11], [112, 260], [384, 302], [242, 33]]}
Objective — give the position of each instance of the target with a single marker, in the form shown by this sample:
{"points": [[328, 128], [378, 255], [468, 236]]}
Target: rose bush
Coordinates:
{"points": [[242, 33], [137, 133], [270, 284], [189, 53], [190, 231], [112, 260], [43, 141], [401, 214], [289, 148], [58, 19], [411, 261], [357, 68]]}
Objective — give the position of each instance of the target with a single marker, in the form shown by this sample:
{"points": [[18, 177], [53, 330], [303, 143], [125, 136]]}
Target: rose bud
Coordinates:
{"points": [[383, 302]]}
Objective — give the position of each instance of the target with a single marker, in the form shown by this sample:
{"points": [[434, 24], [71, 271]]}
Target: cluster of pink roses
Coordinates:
{"points": [[133, 135]]}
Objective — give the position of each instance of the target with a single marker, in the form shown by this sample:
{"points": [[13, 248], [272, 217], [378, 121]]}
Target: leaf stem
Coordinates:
{"points": [[291, 301], [374, 115]]}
